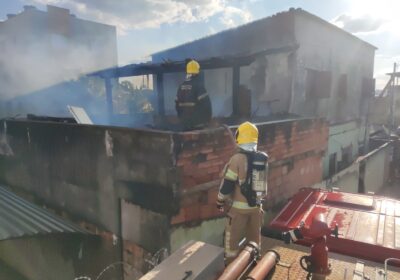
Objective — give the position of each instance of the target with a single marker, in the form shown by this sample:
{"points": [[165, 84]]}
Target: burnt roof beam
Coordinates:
{"points": [[180, 66]]}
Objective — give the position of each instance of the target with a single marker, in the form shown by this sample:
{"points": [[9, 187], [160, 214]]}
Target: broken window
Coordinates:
{"points": [[318, 84], [332, 165], [347, 156]]}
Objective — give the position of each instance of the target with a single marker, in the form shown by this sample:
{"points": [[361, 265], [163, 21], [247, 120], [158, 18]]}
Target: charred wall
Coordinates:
{"points": [[295, 148], [86, 169], [151, 189], [152, 169], [268, 78]]}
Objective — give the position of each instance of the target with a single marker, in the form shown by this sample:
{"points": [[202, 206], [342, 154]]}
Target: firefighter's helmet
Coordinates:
{"points": [[246, 133], [193, 67]]}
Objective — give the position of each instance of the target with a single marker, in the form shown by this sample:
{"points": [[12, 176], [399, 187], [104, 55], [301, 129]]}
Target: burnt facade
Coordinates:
{"points": [[330, 66], [329, 75], [146, 190]]}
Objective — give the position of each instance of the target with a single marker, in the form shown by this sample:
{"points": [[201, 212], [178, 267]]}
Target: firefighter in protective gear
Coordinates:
{"points": [[245, 183], [192, 103]]}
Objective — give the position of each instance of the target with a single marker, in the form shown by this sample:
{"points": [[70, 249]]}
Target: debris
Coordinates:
{"points": [[79, 115]]}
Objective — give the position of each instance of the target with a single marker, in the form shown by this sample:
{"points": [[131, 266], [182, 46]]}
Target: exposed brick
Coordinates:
{"points": [[207, 150], [191, 199], [135, 256], [209, 163], [192, 213], [213, 170], [287, 141], [212, 156], [212, 195], [275, 172], [189, 182], [191, 136], [180, 218], [203, 178], [207, 211], [189, 154]]}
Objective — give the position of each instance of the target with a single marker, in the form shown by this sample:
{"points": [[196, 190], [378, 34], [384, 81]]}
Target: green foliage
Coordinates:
{"points": [[126, 98], [131, 100]]}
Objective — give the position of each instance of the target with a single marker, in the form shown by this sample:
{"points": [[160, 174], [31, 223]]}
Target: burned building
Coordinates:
{"points": [[43, 49], [148, 190], [329, 75]]}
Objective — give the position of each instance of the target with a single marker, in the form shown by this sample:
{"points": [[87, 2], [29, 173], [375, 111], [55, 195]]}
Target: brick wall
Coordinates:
{"points": [[162, 173], [295, 149]]}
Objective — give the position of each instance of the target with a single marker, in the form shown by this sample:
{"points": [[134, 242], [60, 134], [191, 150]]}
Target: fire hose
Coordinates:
{"points": [[246, 257], [264, 266]]}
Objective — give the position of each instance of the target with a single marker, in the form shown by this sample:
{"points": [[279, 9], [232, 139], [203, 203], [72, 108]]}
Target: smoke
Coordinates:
{"points": [[41, 65], [26, 70]]}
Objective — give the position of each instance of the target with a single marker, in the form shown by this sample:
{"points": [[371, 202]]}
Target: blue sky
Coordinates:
{"points": [[147, 26]]}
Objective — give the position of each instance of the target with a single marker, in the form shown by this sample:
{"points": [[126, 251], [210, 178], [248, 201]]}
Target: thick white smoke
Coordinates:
{"points": [[27, 69]]}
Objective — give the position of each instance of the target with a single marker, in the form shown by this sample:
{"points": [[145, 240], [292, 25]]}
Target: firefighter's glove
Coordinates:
{"points": [[220, 205], [292, 236]]}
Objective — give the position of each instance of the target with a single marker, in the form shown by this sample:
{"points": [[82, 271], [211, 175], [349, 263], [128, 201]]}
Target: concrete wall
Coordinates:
{"points": [[268, 78], [327, 48], [87, 172], [61, 257], [209, 231], [368, 173], [282, 78], [59, 163], [151, 189], [377, 167], [346, 180]]}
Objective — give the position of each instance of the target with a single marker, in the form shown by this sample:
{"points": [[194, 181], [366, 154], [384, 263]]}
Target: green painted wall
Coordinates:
{"points": [[342, 136], [210, 231]]}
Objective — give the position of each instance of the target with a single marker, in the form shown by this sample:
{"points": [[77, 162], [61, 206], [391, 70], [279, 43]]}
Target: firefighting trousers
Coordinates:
{"points": [[242, 223]]}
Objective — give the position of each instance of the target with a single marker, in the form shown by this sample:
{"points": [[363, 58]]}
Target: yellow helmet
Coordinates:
{"points": [[246, 133], [193, 67]]}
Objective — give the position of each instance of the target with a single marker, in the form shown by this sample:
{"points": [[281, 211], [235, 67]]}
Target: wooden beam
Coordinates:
{"points": [[108, 86], [235, 89], [160, 94]]}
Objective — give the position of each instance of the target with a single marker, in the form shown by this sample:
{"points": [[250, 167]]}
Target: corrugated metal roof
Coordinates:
{"points": [[244, 28], [19, 218]]}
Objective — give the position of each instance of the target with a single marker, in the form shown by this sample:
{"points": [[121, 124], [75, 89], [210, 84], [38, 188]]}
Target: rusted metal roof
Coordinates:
{"points": [[369, 226], [20, 218]]}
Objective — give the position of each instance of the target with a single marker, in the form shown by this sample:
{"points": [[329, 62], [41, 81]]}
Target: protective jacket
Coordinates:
{"points": [[193, 104], [236, 173], [243, 220]]}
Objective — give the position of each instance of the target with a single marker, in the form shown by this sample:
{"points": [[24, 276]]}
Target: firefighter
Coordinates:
{"points": [[192, 103], [245, 184]]}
